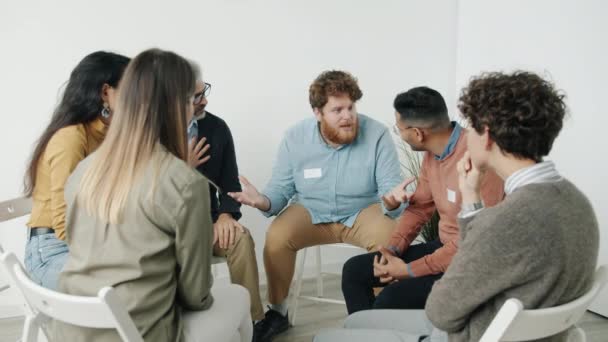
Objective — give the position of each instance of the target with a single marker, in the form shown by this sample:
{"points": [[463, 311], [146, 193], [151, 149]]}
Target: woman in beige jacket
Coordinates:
{"points": [[138, 216]]}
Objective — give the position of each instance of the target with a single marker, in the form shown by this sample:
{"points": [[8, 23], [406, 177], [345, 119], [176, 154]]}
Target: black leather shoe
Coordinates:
{"points": [[273, 324]]}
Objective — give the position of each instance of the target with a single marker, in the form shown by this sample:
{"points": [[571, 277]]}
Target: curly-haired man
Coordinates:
{"points": [[334, 168], [540, 244]]}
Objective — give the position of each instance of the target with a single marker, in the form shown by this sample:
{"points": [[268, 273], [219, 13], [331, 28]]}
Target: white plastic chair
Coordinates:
{"points": [[10, 210], [104, 311], [3, 285], [15, 208], [214, 262], [297, 285], [513, 323]]}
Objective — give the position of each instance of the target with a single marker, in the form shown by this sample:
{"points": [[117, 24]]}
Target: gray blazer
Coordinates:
{"points": [[158, 259]]}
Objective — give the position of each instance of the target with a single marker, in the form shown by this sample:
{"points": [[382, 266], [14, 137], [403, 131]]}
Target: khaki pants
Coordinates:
{"points": [[243, 268], [293, 230]]}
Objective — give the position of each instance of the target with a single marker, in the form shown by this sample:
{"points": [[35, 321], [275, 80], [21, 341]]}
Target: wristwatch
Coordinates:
{"points": [[394, 249], [468, 207]]}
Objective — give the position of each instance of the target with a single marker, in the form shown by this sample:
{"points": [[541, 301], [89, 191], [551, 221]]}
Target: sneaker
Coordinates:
{"points": [[273, 324]]}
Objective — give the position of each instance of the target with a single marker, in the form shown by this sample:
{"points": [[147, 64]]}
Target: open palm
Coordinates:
{"points": [[249, 196]]}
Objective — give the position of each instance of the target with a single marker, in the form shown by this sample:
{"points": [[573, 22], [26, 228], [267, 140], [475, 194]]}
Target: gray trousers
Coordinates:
{"points": [[385, 326]]}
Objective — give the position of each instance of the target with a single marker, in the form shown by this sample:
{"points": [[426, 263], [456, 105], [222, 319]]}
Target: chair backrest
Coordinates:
{"points": [[513, 323], [9, 210], [104, 311], [15, 208]]}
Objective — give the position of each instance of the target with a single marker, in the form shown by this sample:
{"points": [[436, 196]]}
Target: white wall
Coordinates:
{"points": [[563, 39], [259, 55]]}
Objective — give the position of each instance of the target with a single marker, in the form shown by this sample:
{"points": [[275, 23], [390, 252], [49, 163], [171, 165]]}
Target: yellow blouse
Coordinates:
{"points": [[66, 148]]}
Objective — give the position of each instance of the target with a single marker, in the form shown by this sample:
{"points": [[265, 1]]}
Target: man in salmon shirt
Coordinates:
{"points": [[407, 271]]}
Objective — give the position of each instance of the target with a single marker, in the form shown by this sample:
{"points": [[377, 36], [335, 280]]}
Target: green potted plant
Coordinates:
{"points": [[410, 162]]}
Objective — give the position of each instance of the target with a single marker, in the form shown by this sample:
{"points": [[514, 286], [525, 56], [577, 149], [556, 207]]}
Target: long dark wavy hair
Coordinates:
{"points": [[81, 101]]}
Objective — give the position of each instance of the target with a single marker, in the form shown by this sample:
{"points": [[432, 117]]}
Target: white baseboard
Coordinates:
{"points": [[11, 303], [309, 272], [600, 304], [11, 311]]}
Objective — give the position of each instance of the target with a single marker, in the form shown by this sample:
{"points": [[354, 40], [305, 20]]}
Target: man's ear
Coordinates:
{"points": [[420, 134], [318, 113], [486, 140]]}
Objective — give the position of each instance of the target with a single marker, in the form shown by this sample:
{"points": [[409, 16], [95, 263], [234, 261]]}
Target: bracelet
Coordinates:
{"points": [[472, 206], [408, 268]]}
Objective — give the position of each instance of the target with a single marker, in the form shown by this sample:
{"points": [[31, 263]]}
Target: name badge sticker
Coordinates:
{"points": [[312, 173], [452, 196]]}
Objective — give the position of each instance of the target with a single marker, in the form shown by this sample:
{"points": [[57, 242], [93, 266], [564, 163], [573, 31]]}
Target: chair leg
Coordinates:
{"points": [[576, 334], [30, 329], [246, 329], [319, 272], [214, 271], [298, 286]]}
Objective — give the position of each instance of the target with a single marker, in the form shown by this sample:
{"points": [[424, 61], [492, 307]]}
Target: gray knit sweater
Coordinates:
{"points": [[539, 245]]}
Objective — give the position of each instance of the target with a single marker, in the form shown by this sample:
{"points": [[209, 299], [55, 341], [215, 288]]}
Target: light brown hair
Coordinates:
{"points": [[333, 83], [151, 113]]}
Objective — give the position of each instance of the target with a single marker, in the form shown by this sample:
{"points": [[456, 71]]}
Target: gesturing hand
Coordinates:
{"points": [[250, 196], [196, 151], [398, 195]]}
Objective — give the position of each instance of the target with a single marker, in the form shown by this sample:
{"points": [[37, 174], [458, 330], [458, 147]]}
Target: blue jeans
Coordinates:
{"points": [[45, 256]]}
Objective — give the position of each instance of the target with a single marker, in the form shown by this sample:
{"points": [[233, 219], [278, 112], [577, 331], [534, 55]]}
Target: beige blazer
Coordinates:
{"points": [[158, 259]]}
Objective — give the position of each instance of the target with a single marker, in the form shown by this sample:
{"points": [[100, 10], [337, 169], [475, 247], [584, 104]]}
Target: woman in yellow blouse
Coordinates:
{"points": [[77, 128]]}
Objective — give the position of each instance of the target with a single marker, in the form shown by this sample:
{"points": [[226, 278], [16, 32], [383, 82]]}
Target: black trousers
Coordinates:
{"points": [[358, 282]]}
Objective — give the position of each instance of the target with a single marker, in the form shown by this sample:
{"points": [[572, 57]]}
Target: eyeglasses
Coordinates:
{"points": [[198, 97]]}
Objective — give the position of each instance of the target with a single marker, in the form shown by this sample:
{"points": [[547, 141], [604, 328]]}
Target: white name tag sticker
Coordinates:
{"points": [[452, 196], [312, 173]]}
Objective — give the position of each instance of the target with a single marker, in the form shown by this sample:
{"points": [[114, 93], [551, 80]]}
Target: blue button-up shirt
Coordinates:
{"points": [[334, 184]]}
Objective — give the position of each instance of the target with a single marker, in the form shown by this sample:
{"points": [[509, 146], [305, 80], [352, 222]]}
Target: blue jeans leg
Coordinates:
{"points": [[45, 256]]}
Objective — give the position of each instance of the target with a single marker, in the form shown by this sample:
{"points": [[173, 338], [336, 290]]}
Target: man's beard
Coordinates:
{"points": [[198, 111], [337, 136]]}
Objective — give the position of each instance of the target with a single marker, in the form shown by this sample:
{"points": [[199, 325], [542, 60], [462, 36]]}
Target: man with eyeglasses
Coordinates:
{"points": [[408, 271], [211, 151]]}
